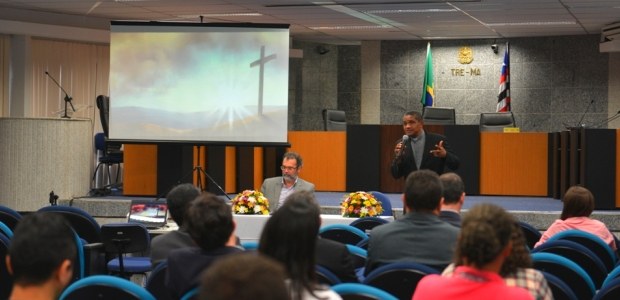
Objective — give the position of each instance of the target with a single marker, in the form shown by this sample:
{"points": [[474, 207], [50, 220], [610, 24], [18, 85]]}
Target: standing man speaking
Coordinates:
{"points": [[419, 149]]}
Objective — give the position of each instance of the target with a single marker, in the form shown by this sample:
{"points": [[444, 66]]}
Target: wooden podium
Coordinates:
{"points": [[40, 155]]}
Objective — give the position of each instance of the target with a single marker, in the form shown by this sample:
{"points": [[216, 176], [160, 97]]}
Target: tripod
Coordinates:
{"points": [[198, 171]]}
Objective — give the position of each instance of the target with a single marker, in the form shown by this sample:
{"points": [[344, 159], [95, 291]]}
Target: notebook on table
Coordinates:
{"points": [[151, 214]]}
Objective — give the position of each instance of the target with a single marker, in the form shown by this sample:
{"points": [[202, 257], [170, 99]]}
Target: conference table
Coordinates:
{"points": [[249, 227]]}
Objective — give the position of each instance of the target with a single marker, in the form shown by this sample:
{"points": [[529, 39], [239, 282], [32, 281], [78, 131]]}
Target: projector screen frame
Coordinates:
{"points": [[207, 142]]}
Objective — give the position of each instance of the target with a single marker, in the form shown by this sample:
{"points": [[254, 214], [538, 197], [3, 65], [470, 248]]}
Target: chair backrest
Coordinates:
{"points": [[334, 120], [360, 256], [191, 294], [531, 234], [4, 229], [350, 291], [578, 254], [385, 203], [399, 279], [103, 104], [125, 237], [559, 288], [9, 217], [368, 223], [250, 245], [363, 243], [345, 234], [615, 273], [81, 221], [569, 272], [155, 282], [6, 281], [592, 242], [496, 121], [105, 287], [325, 276], [609, 291], [100, 142], [438, 115]]}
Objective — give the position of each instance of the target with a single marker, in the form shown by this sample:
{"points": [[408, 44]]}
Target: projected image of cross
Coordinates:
{"points": [[261, 62]]}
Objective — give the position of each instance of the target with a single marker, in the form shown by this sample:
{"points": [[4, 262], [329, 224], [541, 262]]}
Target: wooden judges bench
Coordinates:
{"points": [[492, 163]]}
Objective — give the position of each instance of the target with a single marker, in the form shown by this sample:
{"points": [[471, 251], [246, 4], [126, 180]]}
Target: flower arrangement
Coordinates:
{"points": [[359, 205], [250, 202]]}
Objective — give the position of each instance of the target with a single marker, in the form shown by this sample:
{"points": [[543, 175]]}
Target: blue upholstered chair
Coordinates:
{"points": [[191, 294], [345, 234], [82, 222], [123, 238], [325, 276], [9, 217], [4, 229], [107, 158], [531, 234], [568, 271], [249, 245], [363, 243], [579, 254], [399, 279], [385, 203], [592, 242], [609, 291], [105, 287], [358, 291], [559, 288], [368, 223], [156, 280]]}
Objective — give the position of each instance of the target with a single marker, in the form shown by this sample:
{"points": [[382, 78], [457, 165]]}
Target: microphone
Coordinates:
{"points": [[403, 146], [584, 114], [606, 121], [67, 97]]}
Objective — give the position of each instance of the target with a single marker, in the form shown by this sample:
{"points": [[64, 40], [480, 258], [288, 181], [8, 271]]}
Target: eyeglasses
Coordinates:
{"points": [[287, 168]]}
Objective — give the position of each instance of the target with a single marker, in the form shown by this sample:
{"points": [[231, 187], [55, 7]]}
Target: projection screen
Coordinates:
{"points": [[199, 83]]}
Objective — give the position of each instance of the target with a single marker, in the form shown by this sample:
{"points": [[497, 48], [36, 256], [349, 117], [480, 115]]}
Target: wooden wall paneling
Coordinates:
{"points": [[230, 182], [598, 166], [324, 155], [245, 168], [390, 134]]}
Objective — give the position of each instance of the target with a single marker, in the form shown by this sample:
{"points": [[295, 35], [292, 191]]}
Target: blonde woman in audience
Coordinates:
{"points": [[518, 270], [289, 237], [484, 245], [578, 204]]}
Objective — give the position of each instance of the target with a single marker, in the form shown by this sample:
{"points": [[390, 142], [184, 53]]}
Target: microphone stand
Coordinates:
{"points": [[67, 97], [606, 121], [584, 114]]}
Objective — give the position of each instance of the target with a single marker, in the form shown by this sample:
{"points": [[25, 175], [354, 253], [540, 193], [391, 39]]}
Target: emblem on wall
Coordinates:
{"points": [[466, 55]]}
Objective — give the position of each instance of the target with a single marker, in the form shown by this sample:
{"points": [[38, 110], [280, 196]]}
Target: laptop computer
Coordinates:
{"points": [[151, 214]]}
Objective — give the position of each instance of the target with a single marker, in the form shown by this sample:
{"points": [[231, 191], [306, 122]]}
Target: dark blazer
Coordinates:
{"points": [[336, 257], [451, 217], [405, 164], [186, 265]]}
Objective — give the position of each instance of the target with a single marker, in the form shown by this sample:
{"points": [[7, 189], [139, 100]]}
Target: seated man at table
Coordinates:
{"points": [[210, 224], [276, 189], [178, 200], [419, 236]]}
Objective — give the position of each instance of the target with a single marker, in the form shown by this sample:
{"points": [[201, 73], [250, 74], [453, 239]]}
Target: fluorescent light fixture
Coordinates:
{"points": [[410, 11], [532, 23], [221, 15], [353, 27]]}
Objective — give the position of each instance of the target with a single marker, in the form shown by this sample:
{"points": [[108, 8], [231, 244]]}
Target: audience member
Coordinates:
{"points": [[178, 200], [518, 270], [210, 224], [244, 277], [421, 150], [289, 237], [578, 204], [419, 236], [40, 257], [453, 198], [276, 189], [484, 244], [336, 257]]}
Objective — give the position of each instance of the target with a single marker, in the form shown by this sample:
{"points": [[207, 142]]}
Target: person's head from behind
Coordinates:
{"points": [[209, 221], [246, 276], [577, 202], [290, 235], [485, 237], [291, 164], [42, 252], [423, 191], [519, 256], [453, 188], [178, 200]]}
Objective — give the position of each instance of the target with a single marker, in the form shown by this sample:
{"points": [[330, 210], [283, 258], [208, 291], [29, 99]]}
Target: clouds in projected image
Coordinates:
{"points": [[208, 77]]}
